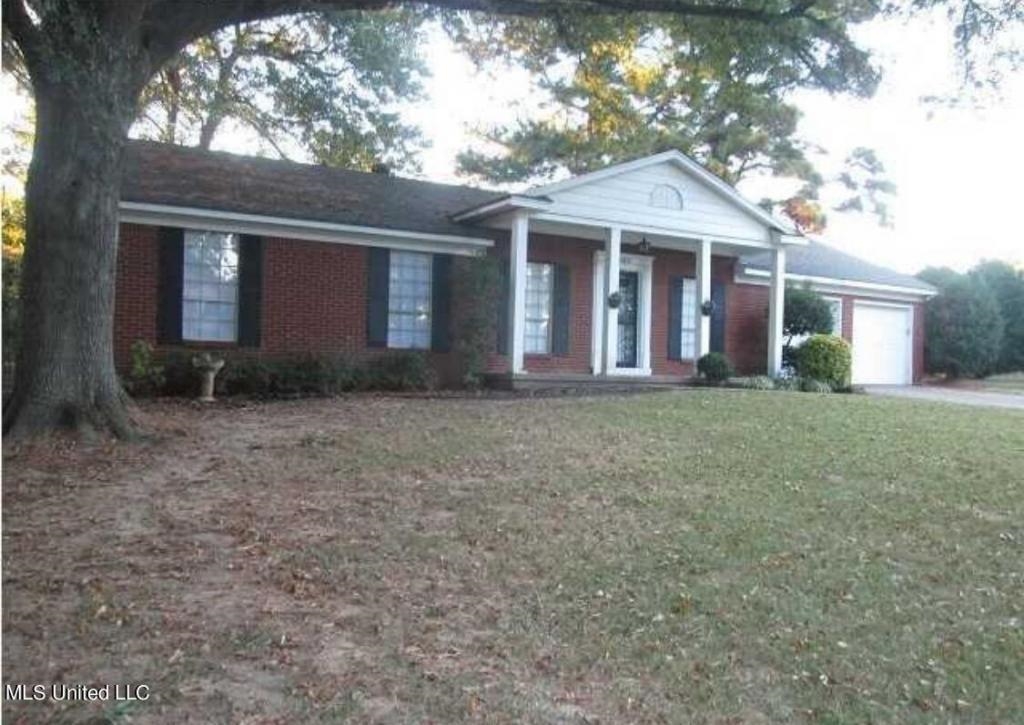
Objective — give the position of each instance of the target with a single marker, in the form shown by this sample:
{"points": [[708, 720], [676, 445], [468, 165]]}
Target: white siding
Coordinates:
{"points": [[626, 199]]}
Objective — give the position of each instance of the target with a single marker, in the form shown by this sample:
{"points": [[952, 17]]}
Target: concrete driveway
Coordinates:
{"points": [[949, 395]]}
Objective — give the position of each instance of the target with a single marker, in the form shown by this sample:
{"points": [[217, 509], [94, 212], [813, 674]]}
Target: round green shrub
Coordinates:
{"points": [[715, 367], [825, 358]]}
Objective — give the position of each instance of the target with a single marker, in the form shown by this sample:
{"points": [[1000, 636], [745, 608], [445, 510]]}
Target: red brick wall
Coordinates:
{"points": [[314, 300], [668, 264], [746, 328], [578, 256], [314, 297], [136, 292]]}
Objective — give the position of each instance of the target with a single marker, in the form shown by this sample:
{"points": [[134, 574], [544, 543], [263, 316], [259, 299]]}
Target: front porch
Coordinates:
{"points": [[639, 219]]}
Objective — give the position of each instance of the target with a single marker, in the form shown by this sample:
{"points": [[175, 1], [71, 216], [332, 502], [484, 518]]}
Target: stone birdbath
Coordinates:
{"points": [[208, 367]]}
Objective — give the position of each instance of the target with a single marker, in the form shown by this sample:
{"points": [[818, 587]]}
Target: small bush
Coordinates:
{"points": [[758, 382], [787, 383], [246, 376], [180, 375], [399, 371], [288, 377], [715, 367], [146, 375], [810, 385], [825, 358]]}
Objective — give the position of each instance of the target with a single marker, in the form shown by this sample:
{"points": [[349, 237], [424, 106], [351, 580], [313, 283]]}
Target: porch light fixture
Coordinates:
{"points": [[644, 247], [707, 308]]}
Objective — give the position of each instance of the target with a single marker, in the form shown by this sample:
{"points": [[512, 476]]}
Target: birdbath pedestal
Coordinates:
{"points": [[208, 367]]}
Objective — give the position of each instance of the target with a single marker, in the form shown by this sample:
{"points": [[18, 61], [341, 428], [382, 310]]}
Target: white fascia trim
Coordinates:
{"points": [[222, 221], [681, 159], [791, 239], [501, 206], [828, 283], [688, 238]]}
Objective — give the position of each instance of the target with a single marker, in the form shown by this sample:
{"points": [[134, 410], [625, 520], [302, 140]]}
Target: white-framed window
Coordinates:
{"points": [[209, 305], [688, 320], [409, 297], [540, 286]]}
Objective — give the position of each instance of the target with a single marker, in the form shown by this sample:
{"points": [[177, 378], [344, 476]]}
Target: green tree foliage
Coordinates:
{"points": [[627, 86], [940, 277], [963, 329], [327, 84], [1007, 286], [805, 312], [13, 248], [477, 289]]}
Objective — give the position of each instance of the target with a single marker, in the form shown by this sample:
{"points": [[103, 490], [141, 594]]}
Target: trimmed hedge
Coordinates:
{"points": [[298, 375], [825, 358]]}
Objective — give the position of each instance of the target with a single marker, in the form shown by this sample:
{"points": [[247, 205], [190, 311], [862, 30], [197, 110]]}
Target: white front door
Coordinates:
{"points": [[882, 344], [633, 333]]}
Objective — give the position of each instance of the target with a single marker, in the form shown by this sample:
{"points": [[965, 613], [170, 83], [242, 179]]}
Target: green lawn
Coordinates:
{"points": [[1006, 383], [708, 556]]}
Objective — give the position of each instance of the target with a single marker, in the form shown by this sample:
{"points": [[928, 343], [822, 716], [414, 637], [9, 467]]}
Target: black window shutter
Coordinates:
{"points": [[441, 304], [378, 282], [561, 303], [250, 290], [503, 289], [717, 341], [675, 318], [170, 285]]}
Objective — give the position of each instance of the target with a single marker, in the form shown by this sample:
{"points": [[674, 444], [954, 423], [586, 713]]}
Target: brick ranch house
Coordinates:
{"points": [[278, 258]]}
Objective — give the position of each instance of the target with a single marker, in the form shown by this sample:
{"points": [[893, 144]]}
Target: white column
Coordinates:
{"points": [[703, 295], [776, 304], [612, 248], [517, 290]]}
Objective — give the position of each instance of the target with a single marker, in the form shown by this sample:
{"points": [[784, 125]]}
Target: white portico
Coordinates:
{"points": [[661, 202]]}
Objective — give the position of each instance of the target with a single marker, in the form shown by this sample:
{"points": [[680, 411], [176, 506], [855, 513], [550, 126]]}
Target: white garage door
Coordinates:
{"points": [[881, 344]]}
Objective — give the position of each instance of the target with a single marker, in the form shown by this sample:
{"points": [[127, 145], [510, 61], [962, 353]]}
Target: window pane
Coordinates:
{"points": [[688, 320], [410, 281], [210, 287], [540, 280]]}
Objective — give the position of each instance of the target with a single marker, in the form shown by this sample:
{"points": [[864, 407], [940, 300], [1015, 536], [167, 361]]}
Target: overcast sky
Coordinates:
{"points": [[958, 170]]}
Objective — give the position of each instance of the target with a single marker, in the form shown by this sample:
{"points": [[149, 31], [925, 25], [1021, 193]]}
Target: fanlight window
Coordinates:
{"points": [[666, 197]]}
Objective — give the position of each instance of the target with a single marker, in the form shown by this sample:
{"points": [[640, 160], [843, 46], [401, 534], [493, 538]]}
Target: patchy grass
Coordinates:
{"points": [[716, 556], [1005, 383]]}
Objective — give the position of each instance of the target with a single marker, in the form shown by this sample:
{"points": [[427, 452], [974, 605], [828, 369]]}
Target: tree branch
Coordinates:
{"points": [[20, 36]]}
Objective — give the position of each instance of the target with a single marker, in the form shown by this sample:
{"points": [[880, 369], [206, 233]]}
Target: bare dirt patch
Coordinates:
{"points": [[623, 559]]}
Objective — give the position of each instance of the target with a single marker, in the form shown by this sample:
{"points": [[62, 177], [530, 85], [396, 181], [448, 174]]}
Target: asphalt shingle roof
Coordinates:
{"points": [[158, 173], [820, 260]]}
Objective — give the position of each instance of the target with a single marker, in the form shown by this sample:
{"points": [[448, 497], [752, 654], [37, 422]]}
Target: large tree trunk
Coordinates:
{"points": [[65, 375]]}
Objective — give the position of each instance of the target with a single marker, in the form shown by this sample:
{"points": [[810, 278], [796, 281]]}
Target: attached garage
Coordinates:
{"points": [[883, 338]]}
